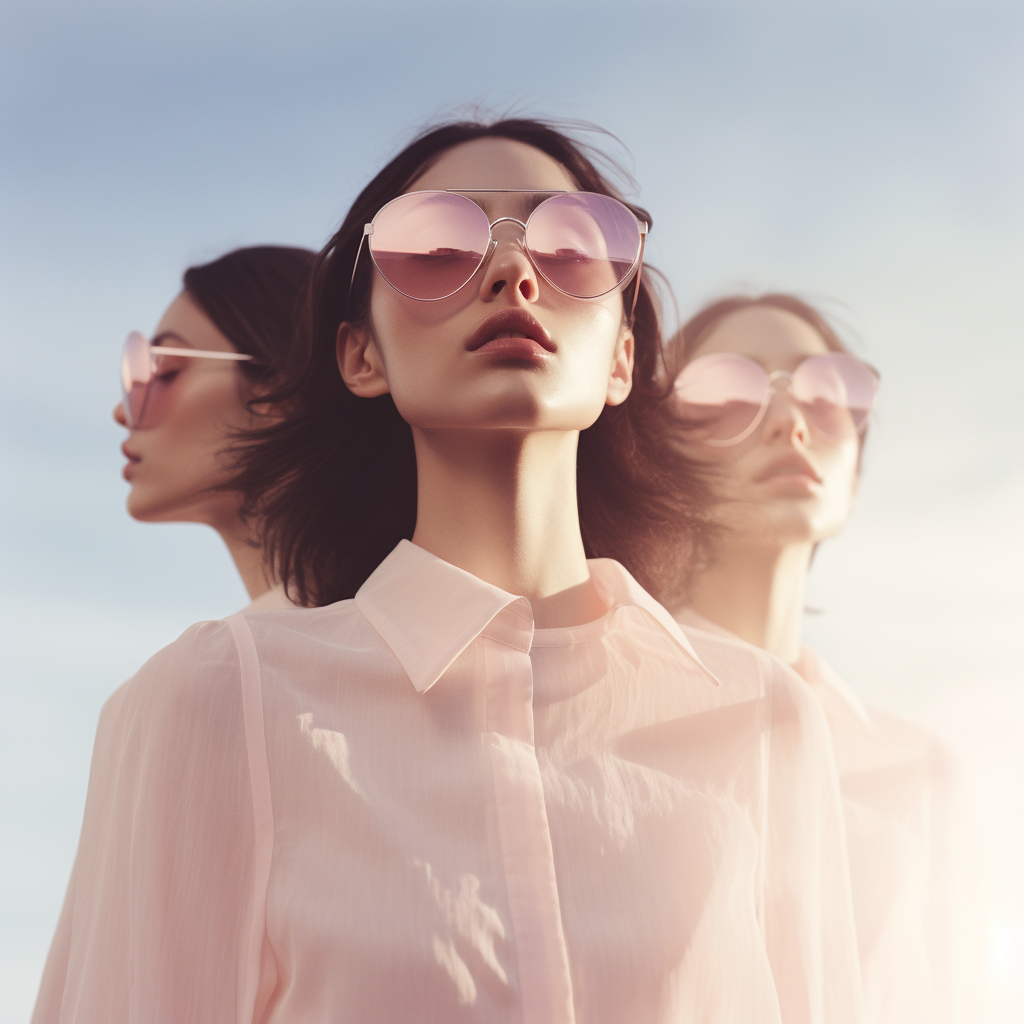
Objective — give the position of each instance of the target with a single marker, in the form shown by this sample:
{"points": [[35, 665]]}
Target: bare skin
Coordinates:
{"points": [[495, 434], [773, 516], [172, 464]]}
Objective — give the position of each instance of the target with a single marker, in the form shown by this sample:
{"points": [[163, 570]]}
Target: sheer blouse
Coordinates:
{"points": [[910, 838], [415, 806]]}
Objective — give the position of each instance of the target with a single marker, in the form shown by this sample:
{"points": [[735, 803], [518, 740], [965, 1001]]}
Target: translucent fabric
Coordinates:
{"points": [[273, 598], [414, 806], [913, 868]]}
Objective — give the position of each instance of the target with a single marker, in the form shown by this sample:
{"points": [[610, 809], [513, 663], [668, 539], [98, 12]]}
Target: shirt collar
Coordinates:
{"points": [[428, 611], [618, 588]]}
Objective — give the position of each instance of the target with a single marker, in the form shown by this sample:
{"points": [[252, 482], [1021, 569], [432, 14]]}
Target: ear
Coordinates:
{"points": [[620, 381], [359, 362]]}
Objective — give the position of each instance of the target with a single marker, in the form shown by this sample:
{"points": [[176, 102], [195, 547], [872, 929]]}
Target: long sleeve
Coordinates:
{"points": [[809, 920], [164, 905], [955, 922]]}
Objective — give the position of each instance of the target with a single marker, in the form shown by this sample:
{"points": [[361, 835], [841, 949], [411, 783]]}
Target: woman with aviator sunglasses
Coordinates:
{"points": [[771, 401], [486, 779], [187, 394]]}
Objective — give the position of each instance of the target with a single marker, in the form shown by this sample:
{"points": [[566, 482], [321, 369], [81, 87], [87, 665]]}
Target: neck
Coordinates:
{"points": [[757, 592], [502, 506], [248, 559]]}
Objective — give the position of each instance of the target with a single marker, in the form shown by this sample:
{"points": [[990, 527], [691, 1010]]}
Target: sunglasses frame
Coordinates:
{"points": [[771, 388], [164, 350], [634, 270]]}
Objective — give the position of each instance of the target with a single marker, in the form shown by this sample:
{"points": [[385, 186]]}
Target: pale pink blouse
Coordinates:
{"points": [[274, 598], [914, 874], [415, 806]]}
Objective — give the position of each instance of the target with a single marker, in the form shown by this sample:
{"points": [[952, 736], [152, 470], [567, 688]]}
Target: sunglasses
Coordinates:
{"points": [[724, 396], [427, 245], [139, 371]]}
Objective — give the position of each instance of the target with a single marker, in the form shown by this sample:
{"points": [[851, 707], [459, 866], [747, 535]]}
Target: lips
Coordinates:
{"points": [[133, 460], [791, 464], [512, 331]]}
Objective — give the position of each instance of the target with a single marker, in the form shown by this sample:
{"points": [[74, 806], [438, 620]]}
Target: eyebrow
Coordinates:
{"points": [[524, 203], [171, 336]]}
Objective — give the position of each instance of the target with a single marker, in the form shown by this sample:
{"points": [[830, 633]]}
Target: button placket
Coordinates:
{"points": [[543, 963]]}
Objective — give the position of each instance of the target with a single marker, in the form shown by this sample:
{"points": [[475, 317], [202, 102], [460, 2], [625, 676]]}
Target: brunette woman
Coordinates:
{"points": [[189, 391], [488, 779], [772, 401]]}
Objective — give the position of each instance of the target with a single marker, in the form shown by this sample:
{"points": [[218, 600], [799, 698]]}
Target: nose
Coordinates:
{"points": [[119, 416], [784, 418], [508, 269]]}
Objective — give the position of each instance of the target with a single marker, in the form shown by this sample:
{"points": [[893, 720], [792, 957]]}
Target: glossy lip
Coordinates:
{"points": [[512, 320], [791, 464], [132, 460]]}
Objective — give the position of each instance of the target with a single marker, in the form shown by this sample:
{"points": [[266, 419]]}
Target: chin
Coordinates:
{"points": [[515, 410], [150, 508], [140, 510]]}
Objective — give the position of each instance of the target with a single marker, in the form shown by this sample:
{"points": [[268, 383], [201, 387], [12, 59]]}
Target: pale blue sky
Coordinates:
{"points": [[865, 154]]}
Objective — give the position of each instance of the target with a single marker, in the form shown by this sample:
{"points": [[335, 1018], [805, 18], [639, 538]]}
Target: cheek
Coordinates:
{"points": [[588, 337], [839, 471], [413, 338], [201, 416]]}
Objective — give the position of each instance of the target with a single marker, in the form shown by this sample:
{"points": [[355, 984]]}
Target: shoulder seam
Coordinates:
{"points": [[765, 694], [262, 805]]}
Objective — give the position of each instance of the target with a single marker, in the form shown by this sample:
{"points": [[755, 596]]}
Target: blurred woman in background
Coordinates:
{"points": [[773, 404], [190, 390]]}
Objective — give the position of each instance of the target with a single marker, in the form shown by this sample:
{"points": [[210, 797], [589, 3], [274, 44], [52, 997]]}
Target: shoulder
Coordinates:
{"points": [[296, 639], [179, 720], [338, 620], [734, 662], [911, 741], [742, 665], [195, 677]]}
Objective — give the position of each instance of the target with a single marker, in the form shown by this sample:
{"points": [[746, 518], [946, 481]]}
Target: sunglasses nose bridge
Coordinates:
{"points": [[518, 240], [779, 383], [782, 402]]}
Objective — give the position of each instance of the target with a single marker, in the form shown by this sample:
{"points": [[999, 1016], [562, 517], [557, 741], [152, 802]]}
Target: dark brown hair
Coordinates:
{"points": [[333, 486], [689, 337], [252, 296]]}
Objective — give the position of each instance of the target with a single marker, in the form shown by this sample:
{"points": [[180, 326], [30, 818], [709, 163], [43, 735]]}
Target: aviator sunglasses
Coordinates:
{"points": [[140, 368], [427, 245], [724, 396]]}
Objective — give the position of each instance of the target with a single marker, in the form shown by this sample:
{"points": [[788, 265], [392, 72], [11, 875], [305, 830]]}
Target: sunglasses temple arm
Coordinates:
{"points": [[367, 229], [639, 269]]}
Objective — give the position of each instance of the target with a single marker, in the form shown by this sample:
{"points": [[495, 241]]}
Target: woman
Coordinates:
{"points": [[770, 398], [497, 783], [189, 391]]}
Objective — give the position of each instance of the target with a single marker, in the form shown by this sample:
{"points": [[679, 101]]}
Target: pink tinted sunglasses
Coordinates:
{"points": [[723, 396], [139, 369], [427, 245]]}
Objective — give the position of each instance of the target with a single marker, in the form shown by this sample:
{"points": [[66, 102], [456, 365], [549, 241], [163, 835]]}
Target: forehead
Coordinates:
{"points": [[778, 340], [495, 164], [190, 327]]}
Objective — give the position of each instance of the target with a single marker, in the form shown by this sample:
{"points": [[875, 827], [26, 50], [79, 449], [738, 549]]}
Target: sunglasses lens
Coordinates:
{"points": [[136, 373], [427, 245], [585, 244], [721, 397], [837, 392]]}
